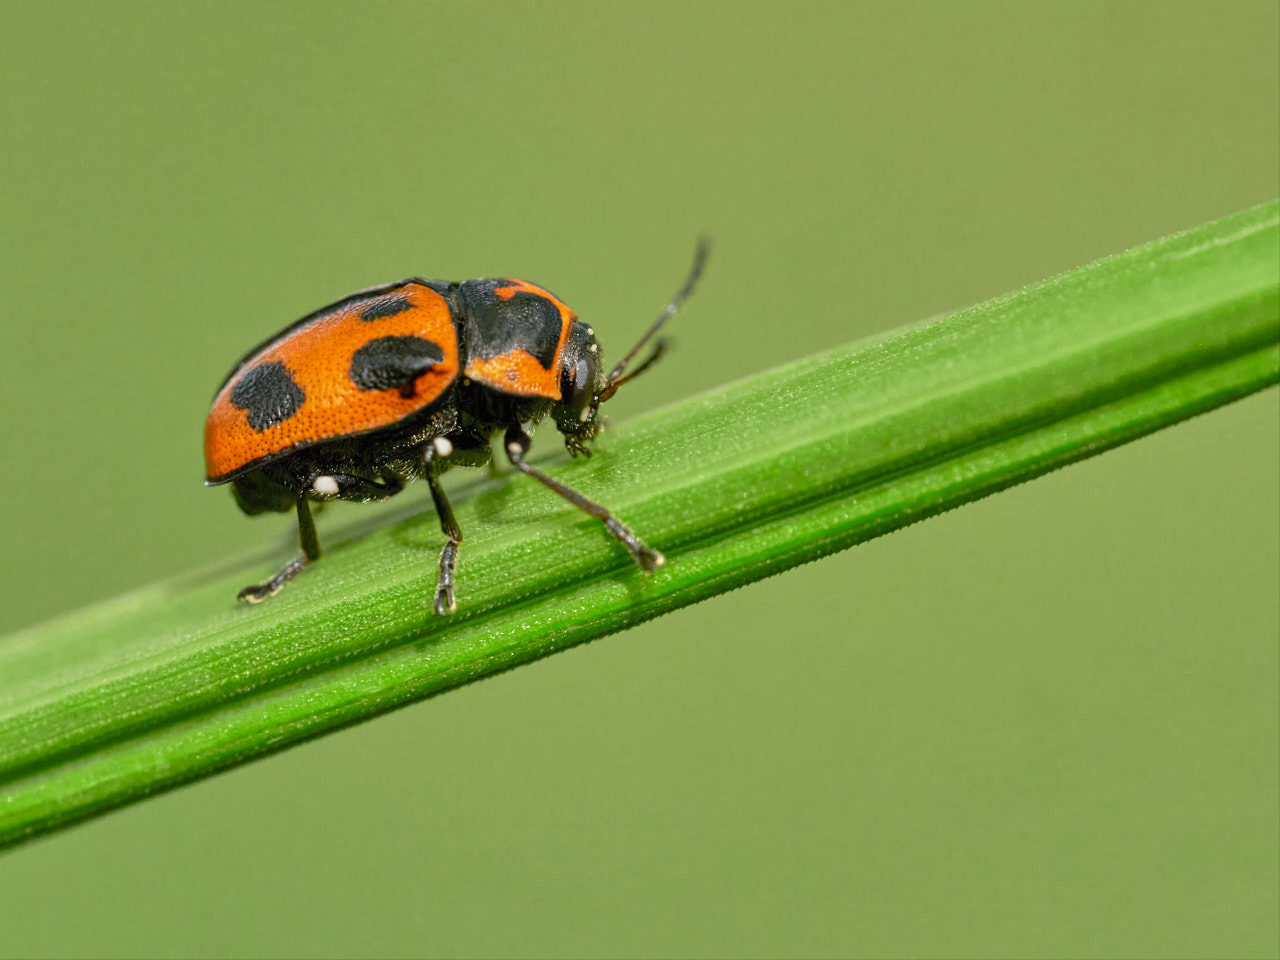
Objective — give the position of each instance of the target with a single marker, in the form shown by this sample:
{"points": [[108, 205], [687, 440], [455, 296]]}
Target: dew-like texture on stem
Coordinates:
{"points": [[171, 683]]}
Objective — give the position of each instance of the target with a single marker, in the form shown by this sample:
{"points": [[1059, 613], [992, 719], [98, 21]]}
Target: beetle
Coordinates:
{"points": [[403, 381]]}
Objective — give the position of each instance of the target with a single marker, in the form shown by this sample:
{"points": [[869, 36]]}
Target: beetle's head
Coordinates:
{"points": [[583, 385]]}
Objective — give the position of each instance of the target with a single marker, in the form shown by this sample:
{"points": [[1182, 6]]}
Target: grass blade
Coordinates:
{"points": [[171, 683]]}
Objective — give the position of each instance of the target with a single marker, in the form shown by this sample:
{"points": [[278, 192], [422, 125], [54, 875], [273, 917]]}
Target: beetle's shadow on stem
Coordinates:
{"points": [[412, 524], [416, 525], [410, 519]]}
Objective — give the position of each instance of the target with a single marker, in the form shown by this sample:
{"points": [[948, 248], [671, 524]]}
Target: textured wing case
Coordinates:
{"points": [[364, 363]]}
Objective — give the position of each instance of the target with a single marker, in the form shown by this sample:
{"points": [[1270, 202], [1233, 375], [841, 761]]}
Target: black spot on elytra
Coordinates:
{"points": [[524, 321], [268, 394], [388, 307], [393, 363]]}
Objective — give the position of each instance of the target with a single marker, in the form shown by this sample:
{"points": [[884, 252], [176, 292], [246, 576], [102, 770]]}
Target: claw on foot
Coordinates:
{"points": [[649, 559], [445, 603], [256, 593]]}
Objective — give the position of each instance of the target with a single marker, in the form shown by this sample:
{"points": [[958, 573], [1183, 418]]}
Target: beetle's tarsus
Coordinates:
{"points": [[260, 591], [255, 594], [445, 602], [649, 559]]}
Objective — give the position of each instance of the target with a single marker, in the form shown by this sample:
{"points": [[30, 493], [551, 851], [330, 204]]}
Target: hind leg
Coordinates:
{"points": [[310, 553], [323, 487]]}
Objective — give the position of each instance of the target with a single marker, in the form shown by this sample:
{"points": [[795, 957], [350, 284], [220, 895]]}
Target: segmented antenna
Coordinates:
{"points": [[616, 379]]}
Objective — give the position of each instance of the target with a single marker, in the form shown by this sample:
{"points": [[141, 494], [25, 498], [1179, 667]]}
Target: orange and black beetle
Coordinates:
{"points": [[402, 381]]}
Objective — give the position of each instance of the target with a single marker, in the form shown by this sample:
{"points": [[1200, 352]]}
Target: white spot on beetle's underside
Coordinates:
{"points": [[586, 414], [443, 446], [594, 348], [513, 448], [325, 486]]}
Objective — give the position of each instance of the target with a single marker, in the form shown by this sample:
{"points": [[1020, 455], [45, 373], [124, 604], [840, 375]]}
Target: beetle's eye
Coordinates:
{"points": [[583, 383], [580, 381]]}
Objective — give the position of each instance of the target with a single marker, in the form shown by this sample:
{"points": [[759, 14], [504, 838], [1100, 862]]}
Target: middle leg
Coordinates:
{"points": [[444, 602]]}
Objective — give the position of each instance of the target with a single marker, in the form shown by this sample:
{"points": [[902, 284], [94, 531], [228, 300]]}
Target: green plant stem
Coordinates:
{"points": [[171, 683]]}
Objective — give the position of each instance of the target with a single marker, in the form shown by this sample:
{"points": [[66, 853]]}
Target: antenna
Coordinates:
{"points": [[615, 378]]}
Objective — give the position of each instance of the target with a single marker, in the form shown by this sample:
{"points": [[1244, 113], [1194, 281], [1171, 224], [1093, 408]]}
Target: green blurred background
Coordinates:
{"points": [[1044, 725]]}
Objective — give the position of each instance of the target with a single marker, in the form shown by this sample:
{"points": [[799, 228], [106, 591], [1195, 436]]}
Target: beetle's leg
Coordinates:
{"points": [[517, 444], [444, 600], [310, 554]]}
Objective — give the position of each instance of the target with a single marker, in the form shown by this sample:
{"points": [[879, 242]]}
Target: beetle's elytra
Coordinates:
{"points": [[403, 381]]}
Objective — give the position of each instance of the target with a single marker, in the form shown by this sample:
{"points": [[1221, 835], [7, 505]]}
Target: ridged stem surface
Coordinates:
{"points": [[160, 687]]}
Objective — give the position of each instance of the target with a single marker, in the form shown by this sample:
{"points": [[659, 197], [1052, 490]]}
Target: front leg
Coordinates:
{"points": [[517, 445]]}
